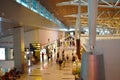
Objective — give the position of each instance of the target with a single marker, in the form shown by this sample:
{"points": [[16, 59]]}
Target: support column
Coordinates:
{"points": [[19, 48], [78, 23], [92, 19], [78, 32]]}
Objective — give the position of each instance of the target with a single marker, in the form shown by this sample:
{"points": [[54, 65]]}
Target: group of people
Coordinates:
{"points": [[13, 74], [61, 60], [70, 41]]}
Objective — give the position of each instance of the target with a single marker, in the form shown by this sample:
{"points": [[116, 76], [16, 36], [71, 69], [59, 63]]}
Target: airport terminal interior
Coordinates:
{"points": [[59, 39]]}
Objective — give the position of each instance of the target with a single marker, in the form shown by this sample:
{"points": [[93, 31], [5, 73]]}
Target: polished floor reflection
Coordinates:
{"points": [[49, 70]]}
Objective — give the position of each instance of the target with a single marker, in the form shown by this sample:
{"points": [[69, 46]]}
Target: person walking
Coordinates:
{"points": [[58, 55], [67, 57], [60, 63], [42, 56], [63, 54]]}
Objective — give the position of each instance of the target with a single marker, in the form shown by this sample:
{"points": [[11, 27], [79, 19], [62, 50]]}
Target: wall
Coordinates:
{"points": [[110, 48], [31, 37], [40, 36], [6, 42], [44, 35], [6, 63], [35, 36]]}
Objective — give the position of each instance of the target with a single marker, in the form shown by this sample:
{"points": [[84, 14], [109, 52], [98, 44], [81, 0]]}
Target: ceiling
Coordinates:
{"points": [[66, 11], [6, 27]]}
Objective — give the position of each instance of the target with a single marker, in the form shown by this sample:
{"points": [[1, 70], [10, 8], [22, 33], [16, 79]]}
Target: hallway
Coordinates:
{"points": [[49, 70]]}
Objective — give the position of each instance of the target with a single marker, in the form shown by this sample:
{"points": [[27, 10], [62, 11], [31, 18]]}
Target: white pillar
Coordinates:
{"points": [[78, 31], [78, 23], [19, 48], [92, 19], [79, 19]]}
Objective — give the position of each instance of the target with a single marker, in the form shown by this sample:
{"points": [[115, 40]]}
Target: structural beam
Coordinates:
{"points": [[92, 18]]}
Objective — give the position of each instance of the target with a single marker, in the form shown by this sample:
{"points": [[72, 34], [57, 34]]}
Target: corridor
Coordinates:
{"points": [[49, 70]]}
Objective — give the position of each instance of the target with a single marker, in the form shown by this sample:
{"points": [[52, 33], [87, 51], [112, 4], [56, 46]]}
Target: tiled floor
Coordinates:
{"points": [[49, 70]]}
